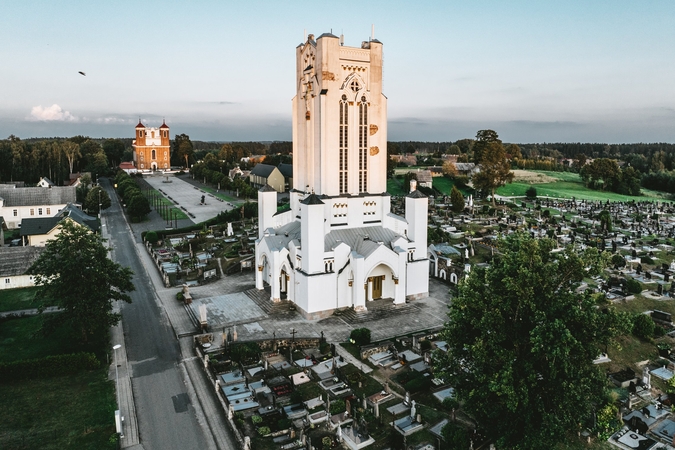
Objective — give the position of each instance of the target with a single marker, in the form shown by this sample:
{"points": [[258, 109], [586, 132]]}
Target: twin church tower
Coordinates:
{"points": [[339, 245]]}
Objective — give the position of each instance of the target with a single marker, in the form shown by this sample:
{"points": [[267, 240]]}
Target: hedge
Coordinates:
{"points": [[48, 366]]}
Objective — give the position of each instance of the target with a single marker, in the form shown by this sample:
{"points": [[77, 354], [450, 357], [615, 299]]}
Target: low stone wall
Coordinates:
{"points": [[365, 352]]}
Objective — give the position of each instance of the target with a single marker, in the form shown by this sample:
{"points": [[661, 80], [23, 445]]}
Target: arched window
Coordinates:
{"points": [[344, 144], [154, 155], [363, 145]]}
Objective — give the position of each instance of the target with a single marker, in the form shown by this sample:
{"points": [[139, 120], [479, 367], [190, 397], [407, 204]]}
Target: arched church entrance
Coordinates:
{"points": [[284, 278], [380, 283]]}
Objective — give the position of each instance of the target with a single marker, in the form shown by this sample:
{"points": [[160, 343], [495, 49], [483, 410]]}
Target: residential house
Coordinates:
{"points": [[408, 160], [265, 174], [17, 204], [45, 182], [128, 167], [287, 171], [467, 169], [36, 232], [424, 178], [14, 263]]}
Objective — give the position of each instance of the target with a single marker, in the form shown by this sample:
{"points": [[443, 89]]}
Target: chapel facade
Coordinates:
{"points": [[152, 148], [339, 245]]}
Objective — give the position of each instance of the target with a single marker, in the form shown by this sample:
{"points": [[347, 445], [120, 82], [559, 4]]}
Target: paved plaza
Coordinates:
{"points": [[244, 310], [188, 197]]}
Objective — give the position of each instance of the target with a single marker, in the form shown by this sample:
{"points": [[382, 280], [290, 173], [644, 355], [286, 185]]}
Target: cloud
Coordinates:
{"points": [[51, 113]]}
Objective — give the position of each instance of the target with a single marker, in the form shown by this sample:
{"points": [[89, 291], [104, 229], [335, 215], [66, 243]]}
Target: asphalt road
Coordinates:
{"points": [[166, 418]]}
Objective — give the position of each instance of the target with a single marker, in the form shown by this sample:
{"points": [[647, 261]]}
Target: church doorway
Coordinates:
{"points": [[377, 287], [283, 285]]}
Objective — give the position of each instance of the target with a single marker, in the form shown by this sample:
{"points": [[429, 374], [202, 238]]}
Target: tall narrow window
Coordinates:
{"points": [[154, 155], [344, 144], [363, 145]]}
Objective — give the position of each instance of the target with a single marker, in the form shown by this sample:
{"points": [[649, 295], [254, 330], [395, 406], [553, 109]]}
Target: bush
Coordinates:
{"points": [[659, 331], [531, 193], [417, 384], [646, 260], [151, 237], [360, 336], [256, 419], [179, 296], [633, 286], [618, 260], [264, 431], [337, 406], [455, 436], [643, 326]]}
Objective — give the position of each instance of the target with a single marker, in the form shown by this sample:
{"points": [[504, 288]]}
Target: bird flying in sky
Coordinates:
{"points": [[82, 73]]}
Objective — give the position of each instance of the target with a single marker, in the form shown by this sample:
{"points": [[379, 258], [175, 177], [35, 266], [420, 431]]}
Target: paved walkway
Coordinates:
{"points": [[188, 197]]}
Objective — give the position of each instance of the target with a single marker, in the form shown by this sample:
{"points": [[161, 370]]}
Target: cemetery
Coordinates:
{"points": [[288, 393], [285, 394]]}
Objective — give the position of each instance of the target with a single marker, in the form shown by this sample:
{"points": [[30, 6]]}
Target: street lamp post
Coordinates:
{"points": [[99, 201], [118, 416]]}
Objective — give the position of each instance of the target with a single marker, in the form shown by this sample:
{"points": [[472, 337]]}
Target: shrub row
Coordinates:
{"points": [[48, 366]]}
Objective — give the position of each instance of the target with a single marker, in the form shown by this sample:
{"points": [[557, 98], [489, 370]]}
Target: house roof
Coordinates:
{"points": [[263, 170], [465, 167], [286, 170], [140, 124], [36, 196], [43, 225], [16, 260], [424, 176], [47, 181], [312, 199], [267, 188], [127, 165], [163, 125]]}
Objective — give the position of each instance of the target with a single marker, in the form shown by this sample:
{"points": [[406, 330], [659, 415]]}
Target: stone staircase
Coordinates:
{"points": [[283, 308], [378, 309]]}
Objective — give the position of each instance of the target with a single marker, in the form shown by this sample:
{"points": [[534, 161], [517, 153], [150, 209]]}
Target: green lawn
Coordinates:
{"points": [[444, 185], [159, 197], [20, 339], [73, 412], [569, 185], [394, 188], [16, 299], [222, 195]]}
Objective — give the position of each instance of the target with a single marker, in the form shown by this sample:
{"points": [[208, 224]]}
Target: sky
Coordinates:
{"points": [[534, 71]]}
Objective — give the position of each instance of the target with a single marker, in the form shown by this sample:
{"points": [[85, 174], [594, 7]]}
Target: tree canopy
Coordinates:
{"points": [[457, 199], [94, 197], [75, 271], [495, 170], [522, 340]]}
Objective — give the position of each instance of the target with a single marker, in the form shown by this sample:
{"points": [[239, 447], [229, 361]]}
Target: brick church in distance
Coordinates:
{"points": [[152, 149]]}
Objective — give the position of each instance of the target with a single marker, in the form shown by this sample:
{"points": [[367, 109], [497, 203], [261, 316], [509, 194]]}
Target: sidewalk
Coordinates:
{"points": [[122, 376]]}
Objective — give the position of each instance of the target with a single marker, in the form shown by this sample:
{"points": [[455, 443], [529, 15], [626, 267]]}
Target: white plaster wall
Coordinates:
{"points": [[23, 212], [417, 281], [17, 281]]}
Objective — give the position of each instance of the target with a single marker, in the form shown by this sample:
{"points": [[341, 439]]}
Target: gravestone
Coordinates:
{"points": [[659, 289]]}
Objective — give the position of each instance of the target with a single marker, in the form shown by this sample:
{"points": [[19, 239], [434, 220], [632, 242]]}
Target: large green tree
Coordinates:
{"points": [[75, 271], [483, 140], [457, 199], [114, 150], [495, 169], [95, 197], [182, 150], [522, 340]]}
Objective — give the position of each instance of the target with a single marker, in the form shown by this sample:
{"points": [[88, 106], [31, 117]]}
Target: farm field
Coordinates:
{"points": [[566, 185]]}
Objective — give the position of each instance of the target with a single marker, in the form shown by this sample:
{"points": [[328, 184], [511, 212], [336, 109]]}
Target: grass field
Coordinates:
{"points": [[16, 299], [73, 412], [395, 188], [569, 185], [20, 339], [159, 197]]}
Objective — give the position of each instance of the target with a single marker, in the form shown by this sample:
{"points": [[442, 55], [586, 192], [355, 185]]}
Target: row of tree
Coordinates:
{"points": [[605, 174], [136, 203]]}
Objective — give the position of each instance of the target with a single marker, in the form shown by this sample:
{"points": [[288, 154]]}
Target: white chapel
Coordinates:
{"points": [[339, 245]]}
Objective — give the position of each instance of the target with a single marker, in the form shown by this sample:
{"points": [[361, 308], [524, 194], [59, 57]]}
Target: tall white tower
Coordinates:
{"points": [[339, 118]]}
